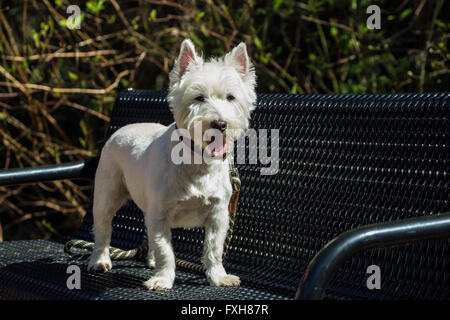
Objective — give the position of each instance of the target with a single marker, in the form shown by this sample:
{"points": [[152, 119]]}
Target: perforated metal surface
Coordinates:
{"points": [[344, 161]]}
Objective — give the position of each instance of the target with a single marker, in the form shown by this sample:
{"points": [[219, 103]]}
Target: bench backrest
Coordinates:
{"points": [[344, 161]]}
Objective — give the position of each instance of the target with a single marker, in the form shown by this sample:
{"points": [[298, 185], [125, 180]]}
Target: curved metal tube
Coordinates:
{"points": [[325, 264], [84, 169]]}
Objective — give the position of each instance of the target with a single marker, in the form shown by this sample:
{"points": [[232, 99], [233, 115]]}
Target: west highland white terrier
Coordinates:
{"points": [[211, 102]]}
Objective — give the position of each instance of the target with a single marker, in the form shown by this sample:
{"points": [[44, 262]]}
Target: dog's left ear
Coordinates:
{"points": [[239, 59]]}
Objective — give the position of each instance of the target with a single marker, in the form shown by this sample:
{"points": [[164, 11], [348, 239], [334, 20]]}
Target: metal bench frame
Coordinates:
{"points": [[329, 259]]}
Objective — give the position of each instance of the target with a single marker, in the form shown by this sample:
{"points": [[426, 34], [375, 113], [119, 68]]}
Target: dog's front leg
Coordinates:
{"points": [[216, 228], [159, 237]]}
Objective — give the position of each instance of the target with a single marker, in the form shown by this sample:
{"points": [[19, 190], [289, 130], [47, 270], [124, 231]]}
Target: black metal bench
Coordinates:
{"points": [[377, 165]]}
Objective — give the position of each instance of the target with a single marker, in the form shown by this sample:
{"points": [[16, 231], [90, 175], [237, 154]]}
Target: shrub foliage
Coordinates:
{"points": [[57, 85]]}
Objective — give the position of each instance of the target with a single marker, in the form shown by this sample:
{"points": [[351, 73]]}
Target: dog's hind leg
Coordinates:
{"points": [[110, 194]]}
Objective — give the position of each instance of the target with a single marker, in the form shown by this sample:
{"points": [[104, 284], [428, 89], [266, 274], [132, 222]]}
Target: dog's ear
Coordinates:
{"points": [[185, 58], [239, 59]]}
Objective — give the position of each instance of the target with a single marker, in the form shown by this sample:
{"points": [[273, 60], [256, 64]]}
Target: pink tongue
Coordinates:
{"points": [[216, 148]]}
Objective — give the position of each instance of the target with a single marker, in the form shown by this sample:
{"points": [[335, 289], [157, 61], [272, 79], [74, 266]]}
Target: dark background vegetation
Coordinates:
{"points": [[57, 86]]}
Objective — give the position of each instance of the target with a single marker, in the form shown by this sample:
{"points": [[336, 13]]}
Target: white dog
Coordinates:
{"points": [[137, 163]]}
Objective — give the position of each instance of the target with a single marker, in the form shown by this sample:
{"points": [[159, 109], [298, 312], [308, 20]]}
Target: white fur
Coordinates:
{"points": [[136, 163]]}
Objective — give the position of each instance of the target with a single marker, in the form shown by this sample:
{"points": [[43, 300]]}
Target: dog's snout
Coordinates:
{"points": [[219, 124]]}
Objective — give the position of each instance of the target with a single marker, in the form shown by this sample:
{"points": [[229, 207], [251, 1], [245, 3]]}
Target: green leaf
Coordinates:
{"points": [[25, 65], [265, 58], [197, 40], [44, 27], [54, 153], [204, 30], [257, 42], [36, 76], [112, 19], [440, 23], [225, 10], [51, 24], [277, 4], [152, 16], [73, 76], [294, 89], [334, 31], [384, 80], [261, 11], [356, 68], [405, 13], [36, 37], [200, 15], [49, 226], [84, 128], [135, 22], [125, 82], [95, 6]]}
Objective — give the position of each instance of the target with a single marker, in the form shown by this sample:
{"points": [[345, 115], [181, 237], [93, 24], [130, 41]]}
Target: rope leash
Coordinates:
{"points": [[141, 252]]}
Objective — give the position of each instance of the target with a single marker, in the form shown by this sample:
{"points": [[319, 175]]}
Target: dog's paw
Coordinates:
{"points": [[101, 264], [227, 281], [157, 283]]}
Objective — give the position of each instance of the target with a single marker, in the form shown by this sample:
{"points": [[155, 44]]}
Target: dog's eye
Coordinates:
{"points": [[230, 97], [200, 98]]}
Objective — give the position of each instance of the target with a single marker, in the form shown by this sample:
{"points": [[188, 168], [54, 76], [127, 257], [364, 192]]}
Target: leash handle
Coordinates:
{"points": [[115, 253]]}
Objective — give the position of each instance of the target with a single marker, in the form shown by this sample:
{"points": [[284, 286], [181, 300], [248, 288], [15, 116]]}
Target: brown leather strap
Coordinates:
{"points": [[232, 205]]}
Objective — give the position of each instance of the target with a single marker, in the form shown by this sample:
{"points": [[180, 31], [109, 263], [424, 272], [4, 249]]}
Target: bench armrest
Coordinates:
{"points": [[84, 169], [327, 262]]}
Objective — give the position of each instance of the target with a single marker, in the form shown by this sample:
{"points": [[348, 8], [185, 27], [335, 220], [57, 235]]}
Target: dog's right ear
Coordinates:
{"points": [[239, 59], [185, 58]]}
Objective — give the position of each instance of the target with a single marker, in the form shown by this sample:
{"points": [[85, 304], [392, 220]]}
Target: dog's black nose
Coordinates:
{"points": [[219, 124]]}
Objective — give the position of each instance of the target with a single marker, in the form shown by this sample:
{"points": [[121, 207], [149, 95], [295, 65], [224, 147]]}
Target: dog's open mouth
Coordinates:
{"points": [[217, 148]]}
